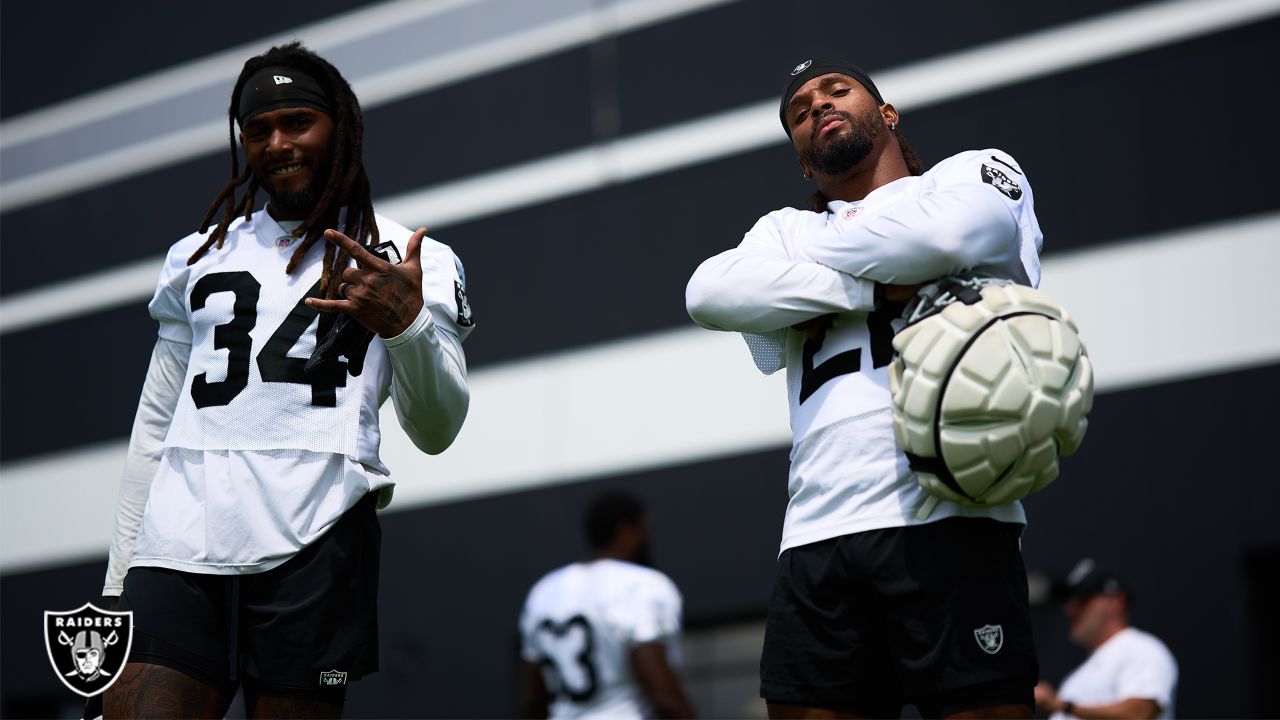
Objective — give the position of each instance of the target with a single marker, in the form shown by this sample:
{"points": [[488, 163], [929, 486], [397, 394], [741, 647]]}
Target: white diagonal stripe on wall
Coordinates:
{"points": [[173, 117], [1143, 307]]}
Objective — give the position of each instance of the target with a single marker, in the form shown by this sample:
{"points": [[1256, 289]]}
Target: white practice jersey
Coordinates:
{"points": [[259, 459], [1131, 664], [972, 211], [580, 623]]}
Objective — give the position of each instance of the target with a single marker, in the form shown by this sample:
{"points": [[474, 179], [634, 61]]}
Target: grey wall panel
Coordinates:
{"points": [[73, 383], [56, 51], [511, 116], [1171, 137], [107, 226], [743, 52], [1117, 149]]}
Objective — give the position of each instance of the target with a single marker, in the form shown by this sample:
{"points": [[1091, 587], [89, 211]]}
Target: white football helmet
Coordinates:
{"points": [[991, 385]]}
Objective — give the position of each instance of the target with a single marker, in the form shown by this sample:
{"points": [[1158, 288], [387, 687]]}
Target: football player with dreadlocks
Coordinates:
{"points": [[876, 602], [246, 540]]}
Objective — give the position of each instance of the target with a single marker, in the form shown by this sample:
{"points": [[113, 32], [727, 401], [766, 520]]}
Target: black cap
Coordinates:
{"points": [[1086, 579], [810, 69]]}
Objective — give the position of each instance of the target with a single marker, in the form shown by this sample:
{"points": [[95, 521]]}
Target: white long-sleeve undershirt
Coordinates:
{"points": [[428, 388]]}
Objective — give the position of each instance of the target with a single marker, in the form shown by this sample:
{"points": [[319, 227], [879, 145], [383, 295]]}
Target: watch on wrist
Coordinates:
{"points": [[1069, 708]]}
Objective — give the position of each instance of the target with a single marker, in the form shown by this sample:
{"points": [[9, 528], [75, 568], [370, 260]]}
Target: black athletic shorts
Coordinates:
{"points": [[933, 615], [310, 624]]}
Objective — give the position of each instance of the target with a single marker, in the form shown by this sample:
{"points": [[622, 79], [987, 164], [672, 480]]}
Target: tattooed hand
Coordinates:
{"points": [[380, 296]]}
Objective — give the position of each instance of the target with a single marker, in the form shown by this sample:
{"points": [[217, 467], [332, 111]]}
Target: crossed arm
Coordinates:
{"points": [[790, 268]]}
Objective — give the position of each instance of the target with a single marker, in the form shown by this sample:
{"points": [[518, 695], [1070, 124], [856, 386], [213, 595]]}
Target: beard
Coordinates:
{"points": [[296, 201], [845, 151]]}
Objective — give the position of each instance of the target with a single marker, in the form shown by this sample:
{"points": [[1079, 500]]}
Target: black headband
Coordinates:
{"points": [[810, 69], [272, 88]]}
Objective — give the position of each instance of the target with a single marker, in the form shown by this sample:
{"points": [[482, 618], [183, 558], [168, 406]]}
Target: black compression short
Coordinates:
{"points": [[934, 615], [308, 625]]}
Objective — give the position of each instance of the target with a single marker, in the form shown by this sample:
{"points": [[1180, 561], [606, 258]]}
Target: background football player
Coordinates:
{"points": [[873, 606], [601, 638]]}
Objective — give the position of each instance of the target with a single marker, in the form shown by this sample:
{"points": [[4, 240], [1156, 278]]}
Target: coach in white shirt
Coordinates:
{"points": [[1129, 673]]}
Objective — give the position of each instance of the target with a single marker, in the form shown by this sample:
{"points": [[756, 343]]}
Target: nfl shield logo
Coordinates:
{"points": [[88, 646], [990, 638]]}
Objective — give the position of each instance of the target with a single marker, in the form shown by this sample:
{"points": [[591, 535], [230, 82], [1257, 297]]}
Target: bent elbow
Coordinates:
{"points": [[436, 444], [438, 438], [707, 303]]}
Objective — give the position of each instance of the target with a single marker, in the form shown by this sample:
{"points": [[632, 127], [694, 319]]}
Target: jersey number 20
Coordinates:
{"points": [[845, 363]]}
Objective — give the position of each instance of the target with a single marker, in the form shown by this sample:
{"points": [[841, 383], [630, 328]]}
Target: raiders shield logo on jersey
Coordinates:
{"points": [[464, 307], [998, 180], [990, 638], [88, 646]]}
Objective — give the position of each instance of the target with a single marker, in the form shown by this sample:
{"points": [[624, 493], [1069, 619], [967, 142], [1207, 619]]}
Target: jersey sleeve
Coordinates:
{"points": [[429, 370], [648, 613], [758, 287], [168, 305], [965, 214]]}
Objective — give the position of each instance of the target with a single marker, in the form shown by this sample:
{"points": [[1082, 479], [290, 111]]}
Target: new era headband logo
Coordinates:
{"points": [[281, 79], [802, 67]]}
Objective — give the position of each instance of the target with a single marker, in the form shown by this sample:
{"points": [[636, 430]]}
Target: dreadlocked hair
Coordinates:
{"points": [[348, 185], [818, 201]]}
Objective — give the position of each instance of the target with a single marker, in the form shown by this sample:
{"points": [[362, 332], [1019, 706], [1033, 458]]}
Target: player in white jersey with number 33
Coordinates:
{"points": [[601, 638], [246, 540], [875, 604]]}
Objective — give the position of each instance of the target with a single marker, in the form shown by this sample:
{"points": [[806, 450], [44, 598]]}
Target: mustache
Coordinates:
{"points": [[822, 119]]}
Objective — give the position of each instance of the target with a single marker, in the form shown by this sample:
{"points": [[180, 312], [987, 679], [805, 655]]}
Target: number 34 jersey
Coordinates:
{"points": [[260, 457], [580, 623]]}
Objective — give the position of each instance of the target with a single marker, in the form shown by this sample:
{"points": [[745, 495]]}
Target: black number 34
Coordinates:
{"points": [[274, 362]]}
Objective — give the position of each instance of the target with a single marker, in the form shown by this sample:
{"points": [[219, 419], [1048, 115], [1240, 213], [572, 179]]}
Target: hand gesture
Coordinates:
{"points": [[382, 297]]}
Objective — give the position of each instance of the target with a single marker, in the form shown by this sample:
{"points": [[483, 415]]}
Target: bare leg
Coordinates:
{"points": [[154, 691]]}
